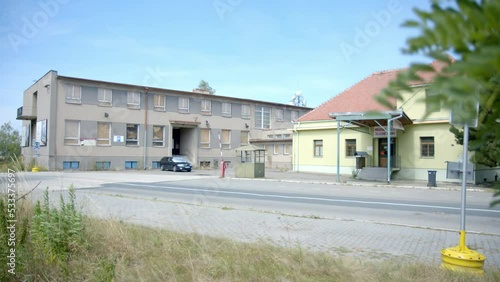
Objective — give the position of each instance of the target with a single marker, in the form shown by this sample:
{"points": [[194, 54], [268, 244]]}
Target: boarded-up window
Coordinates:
{"points": [[226, 139], [244, 137], [158, 136], [132, 135], [205, 138], [72, 132], [103, 133]]}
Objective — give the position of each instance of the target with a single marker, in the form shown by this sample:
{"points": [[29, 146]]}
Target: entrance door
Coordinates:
{"points": [[176, 135], [383, 150]]}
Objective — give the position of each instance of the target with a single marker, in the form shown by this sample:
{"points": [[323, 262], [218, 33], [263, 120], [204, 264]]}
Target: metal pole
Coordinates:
{"points": [[388, 151], [464, 177], [338, 151]]}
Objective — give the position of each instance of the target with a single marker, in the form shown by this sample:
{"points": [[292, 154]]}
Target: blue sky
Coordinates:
{"points": [[261, 50]]}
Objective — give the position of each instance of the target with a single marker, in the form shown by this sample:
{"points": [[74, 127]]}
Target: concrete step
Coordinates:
{"points": [[373, 173]]}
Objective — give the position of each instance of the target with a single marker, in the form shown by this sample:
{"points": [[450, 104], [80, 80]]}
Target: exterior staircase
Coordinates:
{"points": [[373, 173]]}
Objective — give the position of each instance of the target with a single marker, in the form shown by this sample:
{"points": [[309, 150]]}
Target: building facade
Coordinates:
{"points": [[76, 123], [349, 135]]}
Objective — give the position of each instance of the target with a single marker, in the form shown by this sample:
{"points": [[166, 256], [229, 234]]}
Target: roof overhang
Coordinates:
{"points": [[372, 118]]}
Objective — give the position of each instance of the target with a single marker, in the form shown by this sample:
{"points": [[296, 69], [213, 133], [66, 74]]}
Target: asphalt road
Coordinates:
{"points": [[425, 208]]}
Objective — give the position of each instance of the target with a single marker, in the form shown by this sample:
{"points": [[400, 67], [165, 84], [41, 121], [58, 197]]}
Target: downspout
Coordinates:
{"points": [[389, 121], [145, 127], [338, 151], [295, 158]]}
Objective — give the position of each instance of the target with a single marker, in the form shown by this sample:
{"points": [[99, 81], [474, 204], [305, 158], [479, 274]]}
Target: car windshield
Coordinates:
{"points": [[179, 160]]}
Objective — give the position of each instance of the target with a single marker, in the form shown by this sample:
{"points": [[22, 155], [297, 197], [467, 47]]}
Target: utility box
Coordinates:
{"points": [[360, 159], [252, 162]]}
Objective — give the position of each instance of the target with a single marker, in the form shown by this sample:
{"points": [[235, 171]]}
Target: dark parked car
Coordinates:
{"points": [[177, 163]]}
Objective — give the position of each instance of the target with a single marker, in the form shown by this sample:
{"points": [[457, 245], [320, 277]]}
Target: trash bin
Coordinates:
{"points": [[431, 179]]}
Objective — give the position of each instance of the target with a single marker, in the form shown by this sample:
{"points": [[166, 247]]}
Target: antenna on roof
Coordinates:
{"points": [[298, 99]]}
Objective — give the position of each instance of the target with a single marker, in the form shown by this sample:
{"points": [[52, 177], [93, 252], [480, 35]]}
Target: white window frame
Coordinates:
{"points": [[276, 149], [132, 140], [246, 111], [159, 102], [75, 140], [205, 145], [318, 148], [158, 142], [226, 109], [285, 149], [108, 139], [263, 112], [206, 107], [279, 115], [133, 100], [73, 94], [183, 105], [104, 97]]}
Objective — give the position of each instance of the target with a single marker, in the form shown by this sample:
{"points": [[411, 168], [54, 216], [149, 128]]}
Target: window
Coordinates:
{"points": [[427, 147], [71, 165], [245, 137], [159, 102], [102, 165], [131, 164], [245, 111], [103, 134], [206, 107], [287, 148], [158, 136], [226, 109], [276, 149], [431, 104], [279, 136], [294, 115], [132, 135], [318, 148], [73, 94], [183, 105], [72, 132], [270, 136], [104, 97], [133, 100], [225, 139], [287, 136], [205, 138], [263, 117], [350, 147], [279, 115]]}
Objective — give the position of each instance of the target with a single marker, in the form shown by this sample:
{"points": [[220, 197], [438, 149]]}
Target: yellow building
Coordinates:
{"points": [[348, 134]]}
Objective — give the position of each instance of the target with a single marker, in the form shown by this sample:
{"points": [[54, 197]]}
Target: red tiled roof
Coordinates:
{"points": [[360, 96]]}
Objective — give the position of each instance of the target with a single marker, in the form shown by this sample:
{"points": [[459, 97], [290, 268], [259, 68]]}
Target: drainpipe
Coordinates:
{"points": [[296, 156], [145, 127], [389, 121], [338, 151]]}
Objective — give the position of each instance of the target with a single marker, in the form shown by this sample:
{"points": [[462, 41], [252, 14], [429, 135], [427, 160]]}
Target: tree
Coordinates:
{"points": [[10, 141], [203, 85], [470, 30]]}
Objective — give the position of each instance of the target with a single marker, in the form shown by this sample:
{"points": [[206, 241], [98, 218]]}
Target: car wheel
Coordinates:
{"points": [[175, 168], [162, 167], [188, 170]]}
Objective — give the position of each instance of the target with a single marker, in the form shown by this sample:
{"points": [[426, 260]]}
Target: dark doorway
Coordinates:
{"points": [[383, 150], [176, 135]]}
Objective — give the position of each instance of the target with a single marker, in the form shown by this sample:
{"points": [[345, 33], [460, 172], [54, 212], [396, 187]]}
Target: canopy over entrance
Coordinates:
{"points": [[387, 119]]}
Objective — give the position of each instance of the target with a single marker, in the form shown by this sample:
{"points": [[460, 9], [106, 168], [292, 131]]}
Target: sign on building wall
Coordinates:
{"points": [[118, 139], [380, 132], [41, 132], [25, 136]]}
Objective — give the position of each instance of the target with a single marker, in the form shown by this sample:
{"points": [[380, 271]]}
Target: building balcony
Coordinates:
{"points": [[26, 113]]}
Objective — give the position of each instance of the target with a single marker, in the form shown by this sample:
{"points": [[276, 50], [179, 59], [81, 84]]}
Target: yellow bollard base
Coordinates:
{"points": [[461, 258], [35, 169]]}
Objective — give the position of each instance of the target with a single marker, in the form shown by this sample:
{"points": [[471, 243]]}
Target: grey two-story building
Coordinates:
{"points": [[76, 123]]}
